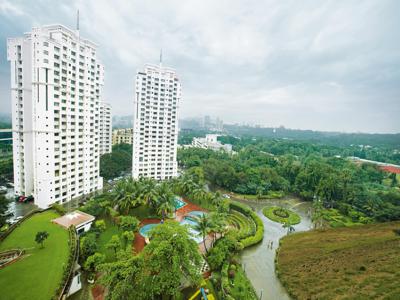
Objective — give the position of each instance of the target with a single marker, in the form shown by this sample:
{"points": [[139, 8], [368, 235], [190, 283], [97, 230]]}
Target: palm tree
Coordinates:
{"points": [[203, 226], [149, 191], [166, 199], [216, 199], [218, 224], [127, 194], [188, 186]]}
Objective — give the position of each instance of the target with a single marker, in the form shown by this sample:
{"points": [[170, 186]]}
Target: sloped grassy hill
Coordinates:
{"points": [[360, 262]]}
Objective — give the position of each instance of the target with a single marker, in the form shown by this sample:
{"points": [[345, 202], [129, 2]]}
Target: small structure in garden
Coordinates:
{"points": [[82, 221], [76, 284]]}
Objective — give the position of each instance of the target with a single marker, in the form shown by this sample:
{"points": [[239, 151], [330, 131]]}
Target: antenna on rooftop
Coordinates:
{"points": [[160, 57], [77, 20]]}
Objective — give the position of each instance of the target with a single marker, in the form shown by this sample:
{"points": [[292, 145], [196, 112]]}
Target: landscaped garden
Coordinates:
{"points": [[38, 274], [139, 220], [281, 215]]}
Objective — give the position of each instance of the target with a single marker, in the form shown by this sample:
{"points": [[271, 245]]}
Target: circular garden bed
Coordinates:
{"points": [[281, 215]]}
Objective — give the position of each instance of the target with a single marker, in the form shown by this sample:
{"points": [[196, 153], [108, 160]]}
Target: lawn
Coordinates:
{"points": [[358, 262], [105, 237], [38, 274], [272, 213]]}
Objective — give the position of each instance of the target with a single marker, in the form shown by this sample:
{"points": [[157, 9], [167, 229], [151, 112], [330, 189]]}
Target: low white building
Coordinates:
{"points": [[82, 221], [76, 283], [211, 142]]}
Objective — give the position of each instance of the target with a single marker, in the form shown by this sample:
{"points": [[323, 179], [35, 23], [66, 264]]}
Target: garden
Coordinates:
{"points": [[139, 220], [40, 271], [281, 215]]}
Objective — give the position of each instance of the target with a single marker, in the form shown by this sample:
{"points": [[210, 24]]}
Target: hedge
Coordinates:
{"points": [[69, 268], [292, 217], [247, 211]]}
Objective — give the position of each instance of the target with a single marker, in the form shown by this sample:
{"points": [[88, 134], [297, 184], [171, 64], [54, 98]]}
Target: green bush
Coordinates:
{"points": [[281, 215], [247, 211], [59, 208]]}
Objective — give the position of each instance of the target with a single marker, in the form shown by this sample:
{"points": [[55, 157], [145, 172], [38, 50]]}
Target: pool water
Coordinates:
{"points": [[196, 213], [144, 230], [179, 203], [189, 221]]}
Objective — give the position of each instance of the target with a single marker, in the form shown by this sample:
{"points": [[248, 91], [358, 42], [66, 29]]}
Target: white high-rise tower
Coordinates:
{"points": [[56, 87], [105, 127], [155, 123]]}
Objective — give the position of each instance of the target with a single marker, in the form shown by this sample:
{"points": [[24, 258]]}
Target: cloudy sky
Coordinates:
{"points": [[325, 65]]}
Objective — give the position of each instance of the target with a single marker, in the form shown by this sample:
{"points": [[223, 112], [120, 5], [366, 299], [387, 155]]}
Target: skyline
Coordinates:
{"points": [[331, 66]]}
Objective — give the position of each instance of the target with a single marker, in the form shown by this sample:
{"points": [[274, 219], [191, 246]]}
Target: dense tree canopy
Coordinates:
{"points": [[117, 162], [307, 170]]}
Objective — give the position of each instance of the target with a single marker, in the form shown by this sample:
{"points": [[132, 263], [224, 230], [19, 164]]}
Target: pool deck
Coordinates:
{"points": [[139, 242], [183, 211]]}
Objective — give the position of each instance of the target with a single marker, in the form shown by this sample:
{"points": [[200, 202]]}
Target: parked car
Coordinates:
{"points": [[15, 220], [226, 196]]}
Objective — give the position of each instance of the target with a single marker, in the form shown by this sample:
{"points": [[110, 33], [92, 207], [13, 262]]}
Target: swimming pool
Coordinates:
{"points": [[196, 213], [189, 220], [179, 203], [144, 230]]}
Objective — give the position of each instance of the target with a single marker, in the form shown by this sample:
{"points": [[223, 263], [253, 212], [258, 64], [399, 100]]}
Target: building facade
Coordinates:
{"points": [[122, 136], [105, 129], [56, 88], [211, 142], [155, 123]]}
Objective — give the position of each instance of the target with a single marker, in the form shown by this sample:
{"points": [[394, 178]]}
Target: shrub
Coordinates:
{"points": [[93, 261], [59, 209], [281, 215], [128, 223], [88, 245], [100, 225], [247, 211]]}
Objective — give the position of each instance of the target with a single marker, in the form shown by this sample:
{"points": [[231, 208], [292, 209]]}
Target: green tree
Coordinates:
{"points": [[128, 238], [88, 245], [173, 256], [114, 243], [40, 237], [166, 199], [93, 261], [124, 277], [100, 225], [203, 226], [4, 215], [128, 223]]}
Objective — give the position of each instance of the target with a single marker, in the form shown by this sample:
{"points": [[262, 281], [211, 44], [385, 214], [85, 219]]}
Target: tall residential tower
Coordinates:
{"points": [[56, 87], [155, 123], [105, 126]]}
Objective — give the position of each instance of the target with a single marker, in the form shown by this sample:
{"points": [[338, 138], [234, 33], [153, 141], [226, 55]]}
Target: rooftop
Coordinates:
{"points": [[75, 218]]}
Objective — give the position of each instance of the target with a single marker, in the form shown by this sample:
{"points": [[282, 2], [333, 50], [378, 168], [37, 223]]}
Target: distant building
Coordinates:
{"points": [[211, 142], [122, 136], [155, 123], [105, 129], [56, 93], [391, 168]]}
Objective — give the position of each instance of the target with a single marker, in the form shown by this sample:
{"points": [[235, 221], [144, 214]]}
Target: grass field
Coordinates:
{"points": [[293, 218], [105, 237], [359, 262], [38, 274]]}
